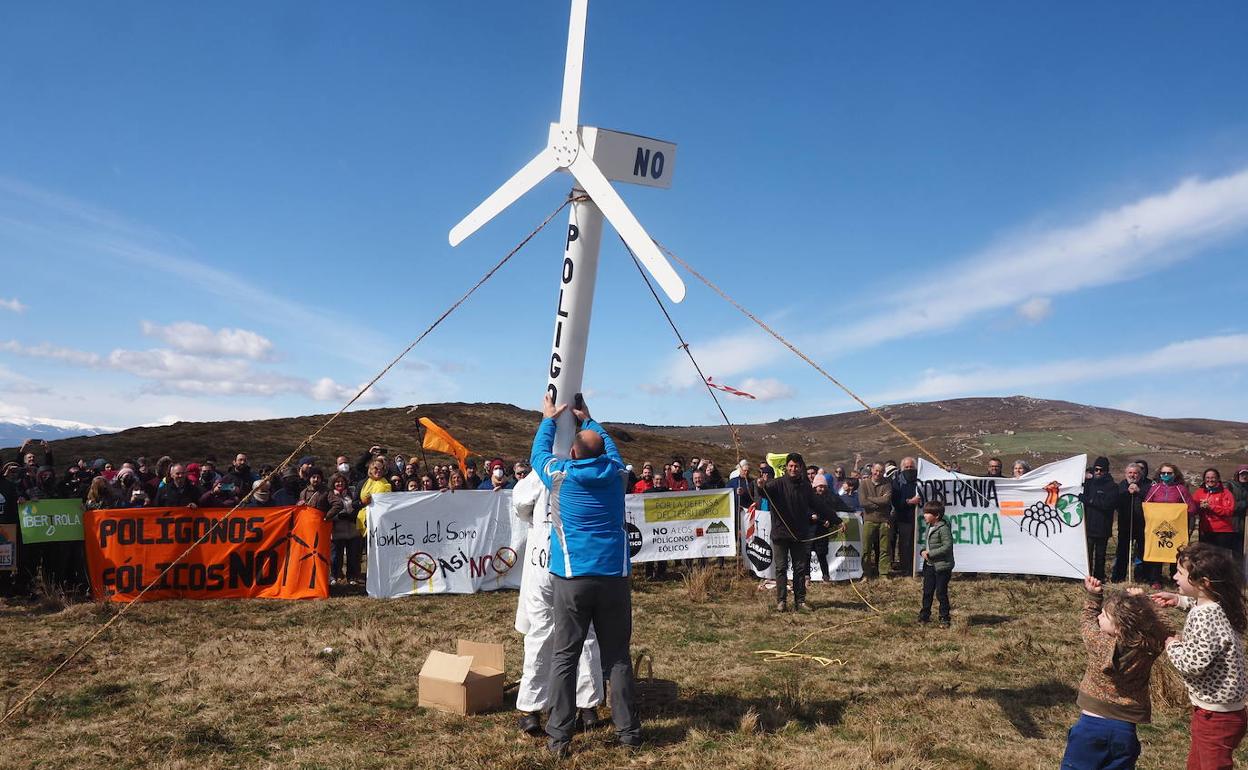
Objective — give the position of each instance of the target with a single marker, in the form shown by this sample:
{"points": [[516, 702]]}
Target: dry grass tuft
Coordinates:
{"points": [[709, 583], [749, 722]]}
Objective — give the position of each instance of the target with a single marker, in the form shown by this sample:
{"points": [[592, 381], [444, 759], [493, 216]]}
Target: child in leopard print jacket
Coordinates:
{"points": [[1210, 654]]}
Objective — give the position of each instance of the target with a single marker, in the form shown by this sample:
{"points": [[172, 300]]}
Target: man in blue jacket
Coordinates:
{"points": [[589, 564]]}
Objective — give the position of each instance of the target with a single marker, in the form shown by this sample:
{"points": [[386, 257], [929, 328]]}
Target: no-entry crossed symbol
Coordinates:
{"points": [[421, 566], [503, 560]]}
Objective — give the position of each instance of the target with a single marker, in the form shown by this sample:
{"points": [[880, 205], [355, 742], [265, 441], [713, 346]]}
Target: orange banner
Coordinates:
{"points": [[269, 553]]}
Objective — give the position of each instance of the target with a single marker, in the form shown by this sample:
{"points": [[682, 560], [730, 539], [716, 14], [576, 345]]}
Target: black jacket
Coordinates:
{"points": [[1100, 503], [791, 501], [902, 491], [169, 496], [1131, 509]]}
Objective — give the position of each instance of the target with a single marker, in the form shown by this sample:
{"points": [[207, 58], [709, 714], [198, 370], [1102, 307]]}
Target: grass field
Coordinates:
{"points": [[226, 684]]}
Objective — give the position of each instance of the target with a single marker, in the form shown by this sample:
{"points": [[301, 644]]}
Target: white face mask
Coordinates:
{"points": [[498, 473], [344, 468]]}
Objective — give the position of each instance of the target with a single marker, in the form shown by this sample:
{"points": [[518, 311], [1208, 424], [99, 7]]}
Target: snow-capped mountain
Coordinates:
{"points": [[14, 430]]}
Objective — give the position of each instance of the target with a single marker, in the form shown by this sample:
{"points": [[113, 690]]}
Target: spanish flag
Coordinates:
{"points": [[1165, 531], [439, 440]]}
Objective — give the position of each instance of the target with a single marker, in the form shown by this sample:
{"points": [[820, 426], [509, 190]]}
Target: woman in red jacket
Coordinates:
{"points": [[1215, 504]]}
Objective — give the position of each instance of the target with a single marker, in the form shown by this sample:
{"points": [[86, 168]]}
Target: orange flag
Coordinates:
{"points": [[439, 440]]}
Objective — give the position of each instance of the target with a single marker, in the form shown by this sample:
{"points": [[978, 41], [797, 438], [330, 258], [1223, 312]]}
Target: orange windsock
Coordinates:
{"points": [[439, 440]]}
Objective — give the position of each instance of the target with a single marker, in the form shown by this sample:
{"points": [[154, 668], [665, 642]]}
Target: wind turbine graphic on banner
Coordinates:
{"points": [[593, 156]]}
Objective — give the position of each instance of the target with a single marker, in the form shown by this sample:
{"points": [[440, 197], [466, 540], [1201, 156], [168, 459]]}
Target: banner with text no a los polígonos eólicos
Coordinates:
{"points": [[443, 543], [664, 526], [1030, 525]]}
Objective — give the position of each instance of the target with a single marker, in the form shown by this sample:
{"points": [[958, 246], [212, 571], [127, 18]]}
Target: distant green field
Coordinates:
{"points": [[1064, 441]]}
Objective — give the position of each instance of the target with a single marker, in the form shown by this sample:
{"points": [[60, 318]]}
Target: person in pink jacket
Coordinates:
{"points": [[1215, 505], [1170, 487]]}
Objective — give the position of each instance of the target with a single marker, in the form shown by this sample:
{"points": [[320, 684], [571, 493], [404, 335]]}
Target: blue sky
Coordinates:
{"points": [[239, 210]]}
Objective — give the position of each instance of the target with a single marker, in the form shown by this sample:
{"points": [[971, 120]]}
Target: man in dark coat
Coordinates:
{"points": [[1131, 493], [792, 501], [178, 491], [1100, 505], [905, 502]]}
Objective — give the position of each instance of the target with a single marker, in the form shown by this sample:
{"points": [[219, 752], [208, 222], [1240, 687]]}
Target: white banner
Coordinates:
{"points": [[443, 542], [844, 550], [468, 541], [664, 526], [1031, 525]]}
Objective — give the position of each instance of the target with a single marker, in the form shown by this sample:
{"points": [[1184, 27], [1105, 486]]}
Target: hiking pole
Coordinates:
{"points": [[1131, 542]]}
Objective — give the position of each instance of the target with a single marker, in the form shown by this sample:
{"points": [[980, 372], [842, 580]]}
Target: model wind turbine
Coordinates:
{"points": [[593, 156]]}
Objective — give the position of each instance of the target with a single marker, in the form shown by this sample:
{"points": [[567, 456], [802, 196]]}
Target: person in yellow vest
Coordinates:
{"points": [[375, 484]]}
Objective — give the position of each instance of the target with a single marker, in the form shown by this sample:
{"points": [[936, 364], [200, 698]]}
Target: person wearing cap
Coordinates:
{"points": [[1100, 503], [496, 476], [822, 528], [1239, 489], [472, 479]]}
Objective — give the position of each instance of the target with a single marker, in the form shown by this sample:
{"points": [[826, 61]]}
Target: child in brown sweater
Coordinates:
{"points": [[1124, 636]]}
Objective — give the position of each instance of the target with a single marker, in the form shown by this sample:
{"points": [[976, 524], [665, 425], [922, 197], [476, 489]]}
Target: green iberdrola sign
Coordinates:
{"points": [[51, 521]]}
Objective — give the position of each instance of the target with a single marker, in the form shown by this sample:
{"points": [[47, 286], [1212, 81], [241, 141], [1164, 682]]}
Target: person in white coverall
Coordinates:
{"points": [[534, 618]]}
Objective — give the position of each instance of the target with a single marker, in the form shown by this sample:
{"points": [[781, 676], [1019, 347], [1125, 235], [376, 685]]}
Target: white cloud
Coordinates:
{"points": [[12, 304], [52, 352], [173, 372], [766, 389], [1116, 245], [1176, 359], [199, 340], [1036, 309]]}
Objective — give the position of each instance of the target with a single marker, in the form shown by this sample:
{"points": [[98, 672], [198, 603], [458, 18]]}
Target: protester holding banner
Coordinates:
{"points": [[905, 505], [1132, 491], [1215, 508], [1100, 503], [791, 500], [590, 564], [375, 484], [178, 491]]}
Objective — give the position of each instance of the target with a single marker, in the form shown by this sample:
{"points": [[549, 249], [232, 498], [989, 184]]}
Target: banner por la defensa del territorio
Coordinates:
{"points": [[1030, 525], [271, 553]]}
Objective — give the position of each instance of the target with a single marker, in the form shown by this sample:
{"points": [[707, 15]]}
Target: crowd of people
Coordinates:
{"points": [[884, 493]]}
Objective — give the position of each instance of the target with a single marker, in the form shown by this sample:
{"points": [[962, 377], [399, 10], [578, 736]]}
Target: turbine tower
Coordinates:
{"points": [[593, 156]]}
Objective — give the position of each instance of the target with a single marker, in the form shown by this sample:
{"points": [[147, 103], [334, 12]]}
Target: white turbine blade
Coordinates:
{"points": [[571, 104], [614, 209], [521, 182]]}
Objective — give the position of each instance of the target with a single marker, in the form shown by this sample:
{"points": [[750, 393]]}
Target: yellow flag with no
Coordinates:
{"points": [[1165, 531]]}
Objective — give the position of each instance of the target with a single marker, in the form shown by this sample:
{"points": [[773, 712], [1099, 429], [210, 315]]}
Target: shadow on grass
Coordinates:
{"points": [[724, 712], [988, 620], [1018, 702]]}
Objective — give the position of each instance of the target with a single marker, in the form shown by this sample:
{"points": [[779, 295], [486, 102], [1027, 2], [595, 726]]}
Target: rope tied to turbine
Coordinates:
{"points": [[21, 703]]}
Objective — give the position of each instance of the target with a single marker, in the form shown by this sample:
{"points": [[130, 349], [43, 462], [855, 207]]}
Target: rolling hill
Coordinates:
{"points": [[964, 430]]}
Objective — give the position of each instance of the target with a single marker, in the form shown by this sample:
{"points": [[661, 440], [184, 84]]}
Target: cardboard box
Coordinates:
{"points": [[468, 682]]}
